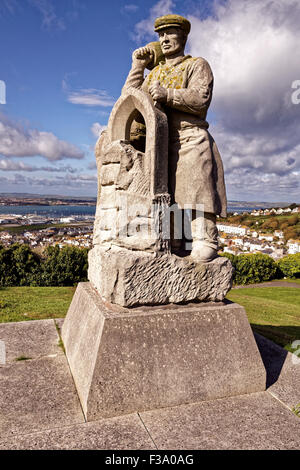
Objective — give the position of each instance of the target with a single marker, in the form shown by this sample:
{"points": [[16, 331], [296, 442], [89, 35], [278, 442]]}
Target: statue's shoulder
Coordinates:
{"points": [[201, 67], [199, 61]]}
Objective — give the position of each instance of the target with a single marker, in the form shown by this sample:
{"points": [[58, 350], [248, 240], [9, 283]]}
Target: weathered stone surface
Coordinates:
{"points": [[131, 263], [283, 371], [38, 411], [122, 433], [130, 180], [109, 173], [30, 339], [36, 395], [131, 278], [108, 197], [248, 422], [125, 360]]}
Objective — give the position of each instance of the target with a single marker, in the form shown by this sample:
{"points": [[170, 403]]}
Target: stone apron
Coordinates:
{"points": [[194, 170]]}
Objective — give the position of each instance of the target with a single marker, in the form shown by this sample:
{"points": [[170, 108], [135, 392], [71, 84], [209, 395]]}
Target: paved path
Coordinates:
{"points": [[40, 409], [270, 284]]}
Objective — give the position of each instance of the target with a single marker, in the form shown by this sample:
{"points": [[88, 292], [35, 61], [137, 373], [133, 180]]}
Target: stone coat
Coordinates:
{"points": [[195, 167]]}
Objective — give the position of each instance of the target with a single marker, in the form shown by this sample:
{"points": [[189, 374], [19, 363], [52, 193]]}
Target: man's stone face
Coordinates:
{"points": [[171, 41]]}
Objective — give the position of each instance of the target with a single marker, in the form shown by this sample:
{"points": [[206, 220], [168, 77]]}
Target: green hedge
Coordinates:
{"points": [[67, 266], [289, 266], [19, 266], [255, 268], [252, 268]]}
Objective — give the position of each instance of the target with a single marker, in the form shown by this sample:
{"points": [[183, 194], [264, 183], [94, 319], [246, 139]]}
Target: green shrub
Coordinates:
{"points": [[252, 268], [64, 266], [289, 266], [19, 266]]}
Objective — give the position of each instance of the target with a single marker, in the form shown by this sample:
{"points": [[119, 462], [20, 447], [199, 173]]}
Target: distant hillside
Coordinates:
{"points": [[49, 196], [259, 204]]}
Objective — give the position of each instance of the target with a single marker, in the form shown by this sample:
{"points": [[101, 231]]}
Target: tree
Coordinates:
{"points": [[251, 268], [289, 266], [284, 225], [18, 266], [293, 220], [64, 266], [289, 234], [271, 224]]}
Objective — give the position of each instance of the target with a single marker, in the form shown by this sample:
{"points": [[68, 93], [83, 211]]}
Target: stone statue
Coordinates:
{"points": [[129, 347], [158, 166], [182, 85]]}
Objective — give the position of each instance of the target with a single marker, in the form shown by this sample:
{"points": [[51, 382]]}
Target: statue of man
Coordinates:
{"points": [[182, 85]]}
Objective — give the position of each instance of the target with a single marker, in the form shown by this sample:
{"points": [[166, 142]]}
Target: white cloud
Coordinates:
{"points": [[97, 129], [16, 141], [50, 20], [9, 6], [90, 97], [253, 49], [65, 181], [145, 28], [130, 8], [9, 165], [47, 9], [263, 186], [92, 166]]}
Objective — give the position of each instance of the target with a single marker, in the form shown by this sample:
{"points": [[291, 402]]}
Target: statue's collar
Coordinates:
{"points": [[176, 61]]}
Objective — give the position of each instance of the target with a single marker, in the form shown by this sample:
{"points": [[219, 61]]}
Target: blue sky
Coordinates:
{"points": [[64, 63]]}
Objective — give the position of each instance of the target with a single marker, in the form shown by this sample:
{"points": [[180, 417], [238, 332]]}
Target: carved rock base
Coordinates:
{"points": [[127, 360], [130, 278]]}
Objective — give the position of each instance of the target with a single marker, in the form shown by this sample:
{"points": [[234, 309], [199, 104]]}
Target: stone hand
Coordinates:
{"points": [[143, 56], [157, 92]]}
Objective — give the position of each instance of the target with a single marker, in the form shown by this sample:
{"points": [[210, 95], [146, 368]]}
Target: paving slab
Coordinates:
{"points": [[256, 421], [283, 371], [31, 339], [40, 409], [121, 433], [36, 395], [59, 323]]}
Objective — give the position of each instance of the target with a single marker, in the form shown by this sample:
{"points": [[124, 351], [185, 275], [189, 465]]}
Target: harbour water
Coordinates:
{"points": [[52, 211], [65, 211]]}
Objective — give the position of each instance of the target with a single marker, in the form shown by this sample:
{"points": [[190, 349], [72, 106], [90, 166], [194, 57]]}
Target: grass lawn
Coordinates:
{"points": [[273, 312], [34, 303]]}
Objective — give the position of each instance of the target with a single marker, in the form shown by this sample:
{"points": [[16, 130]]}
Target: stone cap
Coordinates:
{"points": [[168, 21]]}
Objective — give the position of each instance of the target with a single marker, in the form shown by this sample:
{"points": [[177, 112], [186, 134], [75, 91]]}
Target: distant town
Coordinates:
{"points": [[27, 200], [274, 231]]}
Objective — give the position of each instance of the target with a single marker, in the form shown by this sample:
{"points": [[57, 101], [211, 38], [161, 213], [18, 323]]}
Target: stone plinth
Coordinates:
{"points": [[125, 360], [130, 278]]}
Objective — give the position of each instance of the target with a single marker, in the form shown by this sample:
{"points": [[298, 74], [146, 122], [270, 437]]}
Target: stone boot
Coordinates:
{"points": [[202, 253], [205, 237]]}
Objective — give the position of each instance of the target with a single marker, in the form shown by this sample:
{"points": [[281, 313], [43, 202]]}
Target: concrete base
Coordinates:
{"points": [[125, 360]]}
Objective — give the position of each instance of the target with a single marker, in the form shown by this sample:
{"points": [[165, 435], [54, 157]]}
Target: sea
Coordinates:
{"points": [[52, 211], [82, 210]]}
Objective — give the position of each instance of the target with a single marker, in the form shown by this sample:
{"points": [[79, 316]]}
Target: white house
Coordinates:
{"points": [[236, 229], [278, 233], [293, 247], [266, 236], [255, 246]]}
